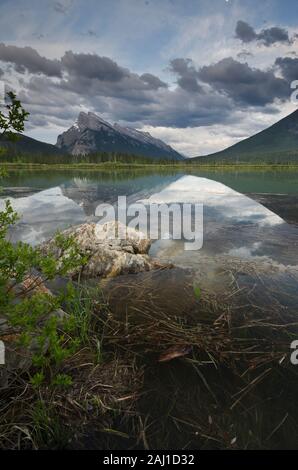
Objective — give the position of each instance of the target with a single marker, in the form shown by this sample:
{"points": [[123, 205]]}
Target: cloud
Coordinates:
{"points": [[91, 33], [244, 84], [153, 81], [132, 100], [268, 36], [80, 71], [205, 96], [288, 67], [93, 66], [244, 54], [62, 7], [273, 35], [245, 32], [188, 76], [27, 58]]}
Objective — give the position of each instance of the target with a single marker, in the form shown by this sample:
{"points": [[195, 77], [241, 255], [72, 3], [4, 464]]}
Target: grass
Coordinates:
{"points": [[189, 166], [232, 386]]}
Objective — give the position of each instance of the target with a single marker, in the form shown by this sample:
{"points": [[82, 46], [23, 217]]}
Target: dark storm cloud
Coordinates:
{"points": [[174, 108], [182, 66], [187, 74], [272, 35], [81, 71], [130, 100], [92, 66], [268, 36], [92, 75], [210, 95], [288, 67], [27, 58], [244, 84], [100, 84], [245, 32], [131, 87]]}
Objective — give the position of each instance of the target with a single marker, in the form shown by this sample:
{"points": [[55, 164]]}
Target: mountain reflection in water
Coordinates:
{"points": [[234, 224]]}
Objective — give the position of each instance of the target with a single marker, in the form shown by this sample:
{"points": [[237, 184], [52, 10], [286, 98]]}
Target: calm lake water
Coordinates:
{"points": [[248, 216], [248, 264]]}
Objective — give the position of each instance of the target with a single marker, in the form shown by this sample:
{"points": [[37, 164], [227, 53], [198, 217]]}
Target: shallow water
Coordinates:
{"points": [[235, 221], [248, 262], [245, 213]]}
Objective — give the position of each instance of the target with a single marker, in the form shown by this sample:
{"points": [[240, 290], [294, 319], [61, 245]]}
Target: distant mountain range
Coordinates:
{"points": [[276, 144], [91, 134]]}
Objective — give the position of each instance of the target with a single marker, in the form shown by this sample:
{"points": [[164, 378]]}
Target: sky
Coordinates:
{"points": [[199, 74]]}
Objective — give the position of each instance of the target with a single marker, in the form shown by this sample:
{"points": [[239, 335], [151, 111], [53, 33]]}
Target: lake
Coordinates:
{"points": [[252, 213], [250, 217], [247, 268]]}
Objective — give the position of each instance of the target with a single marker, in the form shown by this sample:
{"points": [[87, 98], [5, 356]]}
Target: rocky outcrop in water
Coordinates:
{"points": [[108, 256]]}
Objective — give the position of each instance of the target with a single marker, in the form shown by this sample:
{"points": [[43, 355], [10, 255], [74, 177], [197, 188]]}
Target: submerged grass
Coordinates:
{"points": [[231, 384]]}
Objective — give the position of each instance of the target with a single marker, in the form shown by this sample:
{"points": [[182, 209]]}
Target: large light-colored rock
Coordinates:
{"points": [[108, 255]]}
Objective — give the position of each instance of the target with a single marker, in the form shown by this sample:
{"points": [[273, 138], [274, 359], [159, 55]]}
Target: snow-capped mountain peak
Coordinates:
{"points": [[90, 134]]}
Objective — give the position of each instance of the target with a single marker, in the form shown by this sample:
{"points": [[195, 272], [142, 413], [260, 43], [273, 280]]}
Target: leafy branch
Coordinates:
{"points": [[14, 119]]}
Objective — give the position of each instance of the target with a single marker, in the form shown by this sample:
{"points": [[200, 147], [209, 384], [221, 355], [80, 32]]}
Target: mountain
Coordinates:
{"points": [[25, 145], [91, 134], [276, 144]]}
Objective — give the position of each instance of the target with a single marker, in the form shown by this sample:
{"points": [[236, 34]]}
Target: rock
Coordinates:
{"points": [[17, 357], [4, 326], [33, 284], [130, 240], [108, 256]]}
